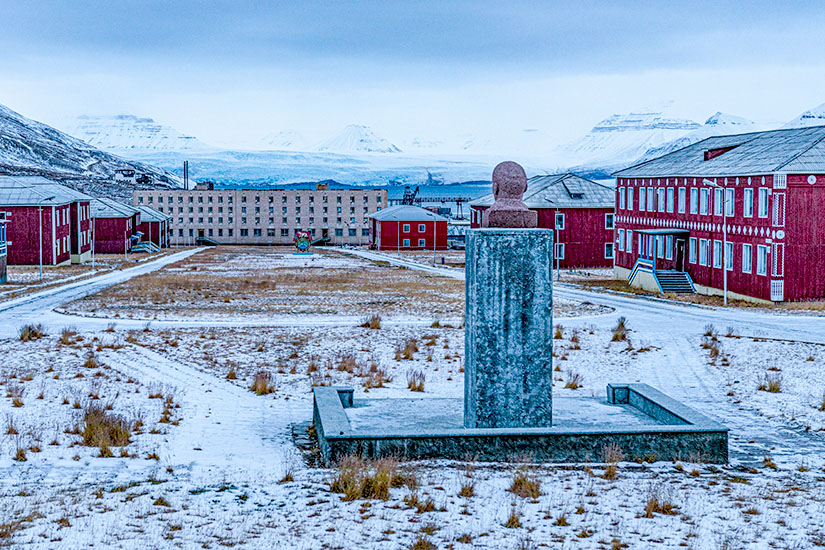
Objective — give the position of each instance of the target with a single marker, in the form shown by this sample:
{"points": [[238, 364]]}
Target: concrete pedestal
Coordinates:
{"points": [[508, 378]]}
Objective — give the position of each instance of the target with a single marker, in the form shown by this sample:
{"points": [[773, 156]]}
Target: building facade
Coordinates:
{"points": [[114, 226], [749, 205], [580, 211], [405, 227], [266, 216], [3, 248], [154, 226]]}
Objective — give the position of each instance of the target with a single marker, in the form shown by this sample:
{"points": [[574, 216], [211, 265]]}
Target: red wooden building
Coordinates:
{"points": [[751, 202], [579, 210], [406, 227], [114, 226], [154, 226], [45, 221]]}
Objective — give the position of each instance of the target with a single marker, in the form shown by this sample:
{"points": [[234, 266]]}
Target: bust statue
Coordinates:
{"points": [[509, 210]]}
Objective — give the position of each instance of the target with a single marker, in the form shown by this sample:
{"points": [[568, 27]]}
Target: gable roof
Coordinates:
{"points": [[36, 191], [107, 208], [800, 150], [149, 214], [406, 213], [561, 191]]}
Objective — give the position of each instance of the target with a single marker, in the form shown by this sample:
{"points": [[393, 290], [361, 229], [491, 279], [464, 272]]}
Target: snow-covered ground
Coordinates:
{"points": [[228, 472]]}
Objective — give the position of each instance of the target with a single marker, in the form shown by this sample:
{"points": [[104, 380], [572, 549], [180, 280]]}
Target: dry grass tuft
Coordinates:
{"points": [[358, 478], [422, 543], [525, 485], [262, 383], [574, 380], [620, 330], [770, 383], [31, 332], [91, 361], [410, 349], [659, 503], [231, 375], [612, 455], [68, 336], [558, 332], [514, 520], [103, 429], [415, 380], [468, 489], [372, 322]]}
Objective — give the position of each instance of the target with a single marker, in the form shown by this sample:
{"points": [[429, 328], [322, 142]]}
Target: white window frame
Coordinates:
{"points": [[405, 243], [559, 251], [747, 203], [405, 228], [612, 223], [620, 239], [717, 201], [704, 201], [703, 252], [669, 247], [630, 198], [730, 202], [660, 199], [729, 252], [762, 208], [692, 250], [608, 246], [660, 246], [694, 200], [629, 241], [651, 204], [621, 198], [717, 254], [422, 243], [682, 194], [669, 194], [560, 216], [747, 258], [642, 200], [422, 228], [761, 259], [641, 244]]}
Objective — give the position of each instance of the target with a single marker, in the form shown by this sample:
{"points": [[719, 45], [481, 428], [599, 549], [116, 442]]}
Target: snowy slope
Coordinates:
{"points": [[811, 117], [28, 146], [621, 138], [127, 132], [719, 124], [285, 140], [356, 138]]}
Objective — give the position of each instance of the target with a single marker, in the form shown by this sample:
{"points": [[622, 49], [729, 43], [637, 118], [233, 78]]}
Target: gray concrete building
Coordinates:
{"points": [[266, 216]]}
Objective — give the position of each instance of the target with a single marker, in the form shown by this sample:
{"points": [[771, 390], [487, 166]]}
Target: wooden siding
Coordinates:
{"points": [[23, 229], [112, 235], [387, 237]]}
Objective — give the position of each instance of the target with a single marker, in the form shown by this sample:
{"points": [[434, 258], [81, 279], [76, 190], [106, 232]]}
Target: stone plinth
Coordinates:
{"points": [[508, 376]]}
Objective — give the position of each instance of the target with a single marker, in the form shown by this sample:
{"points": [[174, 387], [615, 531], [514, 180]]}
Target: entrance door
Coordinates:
{"points": [[200, 233], [325, 233], [680, 254]]}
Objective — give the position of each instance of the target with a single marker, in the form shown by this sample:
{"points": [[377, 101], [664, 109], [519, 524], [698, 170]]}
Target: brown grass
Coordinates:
{"points": [[358, 478], [771, 383], [415, 380], [103, 429], [514, 520], [422, 543], [525, 485], [659, 503], [27, 333], [262, 383], [574, 380], [372, 322], [822, 405], [620, 330]]}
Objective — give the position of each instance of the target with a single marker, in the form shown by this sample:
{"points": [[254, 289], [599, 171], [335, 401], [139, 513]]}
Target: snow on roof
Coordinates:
{"points": [[795, 150], [406, 213], [36, 191], [149, 214], [107, 208], [561, 191]]}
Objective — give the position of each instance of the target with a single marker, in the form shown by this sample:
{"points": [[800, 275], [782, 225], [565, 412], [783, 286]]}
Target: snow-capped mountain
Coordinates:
{"points": [[358, 139], [122, 133], [811, 117], [719, 124], [624, 138], [285, 140]]}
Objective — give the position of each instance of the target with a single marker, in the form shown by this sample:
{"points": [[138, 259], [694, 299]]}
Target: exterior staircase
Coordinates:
{"points": [[145, 246], [675, 282]]}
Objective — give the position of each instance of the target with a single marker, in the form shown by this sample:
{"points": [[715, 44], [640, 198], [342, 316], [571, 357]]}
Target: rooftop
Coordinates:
{"points": [[406, 213], [107, 208], [149, 214], [561, 191], [36, 191], [793, 150]]}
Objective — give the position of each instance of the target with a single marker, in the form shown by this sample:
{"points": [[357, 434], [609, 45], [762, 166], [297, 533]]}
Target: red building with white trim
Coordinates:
{"points": [[750, 201], [44, 221], [115, 224], [405, 227], [154, 226], [579, 210]]}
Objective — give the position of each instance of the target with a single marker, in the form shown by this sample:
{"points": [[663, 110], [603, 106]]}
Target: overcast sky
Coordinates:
{"points": [[230, 72]]}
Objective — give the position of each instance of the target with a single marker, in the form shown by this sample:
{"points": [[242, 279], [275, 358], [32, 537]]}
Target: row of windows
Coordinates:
{"points": [[661, 199], [560, 221], [272, 233], [560, 249], [284, 221], [230, 210], [229, 199]]}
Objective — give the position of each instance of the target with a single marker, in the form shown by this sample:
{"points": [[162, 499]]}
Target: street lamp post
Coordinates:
{"points": [[724, 238]]}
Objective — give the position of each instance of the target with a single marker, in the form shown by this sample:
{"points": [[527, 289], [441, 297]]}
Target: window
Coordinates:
{"points": [[244, 232], [421, 228], [351, 232], [730, 202], [761, 259], [642, 202], [670, 199], [340, 233], [717, 254], [704, 199], [621, 198], [608, 251], [256, 232], [421, 242], [650, 206], [629, 243], [405, 243], [703, 252], [641, 244], [660, 199], [270, 232], [559, 220], [692, 250], [747, 258], [140, 200], [620, 239], [669, 247], [365, 232], [405, 228], [729, 256], [608, 221], [717, 201], [747, 206], [763, 204], [559, 251], [630, 198], [694, 200], [660, 246]]}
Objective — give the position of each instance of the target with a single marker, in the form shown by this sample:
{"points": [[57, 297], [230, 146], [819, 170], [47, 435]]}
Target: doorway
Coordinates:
{"points": [[680, 254]]}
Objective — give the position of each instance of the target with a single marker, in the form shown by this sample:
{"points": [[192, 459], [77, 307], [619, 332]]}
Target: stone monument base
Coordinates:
{"points": [[643, 422]]}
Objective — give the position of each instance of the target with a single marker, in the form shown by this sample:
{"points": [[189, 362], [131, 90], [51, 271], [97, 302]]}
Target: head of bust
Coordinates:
{"points": [[509, 181]]}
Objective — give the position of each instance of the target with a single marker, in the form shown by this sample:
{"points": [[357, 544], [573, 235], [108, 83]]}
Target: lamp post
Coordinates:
{"points": [[724, 238]]}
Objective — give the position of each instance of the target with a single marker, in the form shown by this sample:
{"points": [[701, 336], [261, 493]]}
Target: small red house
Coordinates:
{"points": [[39, 220], [114, 226], [749, 202], [579, 210], [406, 227], [154, 226]]}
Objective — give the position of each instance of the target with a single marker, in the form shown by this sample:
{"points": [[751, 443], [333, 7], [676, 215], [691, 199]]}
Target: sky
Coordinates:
{"points": [[231, 72]]}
